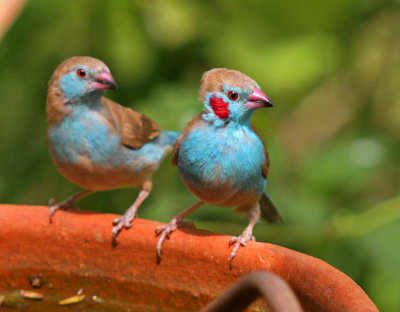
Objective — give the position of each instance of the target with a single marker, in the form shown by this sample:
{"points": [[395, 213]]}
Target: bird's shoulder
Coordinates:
{"points": [[265, 167], [135, 128], [55, 106], [189, 126]]}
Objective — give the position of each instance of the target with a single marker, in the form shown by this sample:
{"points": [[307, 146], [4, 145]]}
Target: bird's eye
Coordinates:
{"points": [[233, 95], [81, 72]]}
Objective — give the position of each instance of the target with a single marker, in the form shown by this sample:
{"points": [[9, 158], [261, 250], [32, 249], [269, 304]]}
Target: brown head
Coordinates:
{"points": [[77, 79], [230, 94]]}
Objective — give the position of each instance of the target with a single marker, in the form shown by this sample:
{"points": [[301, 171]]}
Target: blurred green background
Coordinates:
{"points": [[332, 69]]}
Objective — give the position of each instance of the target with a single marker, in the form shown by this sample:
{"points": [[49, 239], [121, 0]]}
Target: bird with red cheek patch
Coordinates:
{"points": [[220, 156]]}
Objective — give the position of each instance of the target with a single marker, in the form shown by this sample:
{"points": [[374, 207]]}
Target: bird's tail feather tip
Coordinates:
{"points": [[268, 210], [171, 136]]}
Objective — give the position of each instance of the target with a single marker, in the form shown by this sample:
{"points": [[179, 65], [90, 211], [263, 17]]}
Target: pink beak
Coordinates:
{"points": [[104, 80], [258, 99]]}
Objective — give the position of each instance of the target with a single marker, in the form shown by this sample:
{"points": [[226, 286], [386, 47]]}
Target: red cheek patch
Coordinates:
{"points": [[219, 107]]}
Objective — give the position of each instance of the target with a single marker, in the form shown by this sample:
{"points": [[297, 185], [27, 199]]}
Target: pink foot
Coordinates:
{"points": [[120, 223], [54, 206], [238, 241], [165, 230]]}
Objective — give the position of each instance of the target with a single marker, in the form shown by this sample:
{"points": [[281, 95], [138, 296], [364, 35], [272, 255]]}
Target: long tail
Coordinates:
{"points": [[268, 210]]}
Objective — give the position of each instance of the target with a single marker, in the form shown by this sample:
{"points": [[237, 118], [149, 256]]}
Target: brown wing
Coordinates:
{"points": [[265, 168], [175, 155], [136, 129]]}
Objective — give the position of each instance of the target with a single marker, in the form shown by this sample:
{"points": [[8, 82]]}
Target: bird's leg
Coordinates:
{"points": [[247, 234], [125, 220], [65, 204], [177, 222]]}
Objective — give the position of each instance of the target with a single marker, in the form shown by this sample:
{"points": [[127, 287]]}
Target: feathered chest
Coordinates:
{"points": [[232, 154], [83, 133]]}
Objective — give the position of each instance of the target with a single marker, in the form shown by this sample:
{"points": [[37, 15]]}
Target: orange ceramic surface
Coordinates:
{"points": [[76, 252]]}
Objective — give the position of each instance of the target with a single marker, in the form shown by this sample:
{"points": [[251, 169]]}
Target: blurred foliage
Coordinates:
{"points": [[331, 67]]}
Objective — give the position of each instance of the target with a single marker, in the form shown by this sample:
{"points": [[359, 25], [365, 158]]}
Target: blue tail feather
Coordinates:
{"points": [[168, 138]]}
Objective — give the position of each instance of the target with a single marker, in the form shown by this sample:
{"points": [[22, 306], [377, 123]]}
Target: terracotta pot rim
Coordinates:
{"points": [[194, 262]]}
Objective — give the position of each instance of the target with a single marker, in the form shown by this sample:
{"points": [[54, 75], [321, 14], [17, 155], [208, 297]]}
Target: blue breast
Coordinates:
{"points": [[232, 156], [86, 133]]}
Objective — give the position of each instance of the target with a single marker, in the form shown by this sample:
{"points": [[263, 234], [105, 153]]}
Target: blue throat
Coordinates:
{"points": [[243, 120]]}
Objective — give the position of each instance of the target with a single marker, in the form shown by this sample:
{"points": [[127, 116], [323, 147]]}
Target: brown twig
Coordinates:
{"points": [[255, 285]]}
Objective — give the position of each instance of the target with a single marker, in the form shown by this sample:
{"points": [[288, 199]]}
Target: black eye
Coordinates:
{"points": [[81, 72], [233, 95]]}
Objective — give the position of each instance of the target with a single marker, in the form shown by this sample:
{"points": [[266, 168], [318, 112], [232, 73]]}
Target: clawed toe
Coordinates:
{"points": [[116, 221], [164, 231], [160, 228], [54, 206], [238, 241], [115, 231], [53, 209], [120, 223]]}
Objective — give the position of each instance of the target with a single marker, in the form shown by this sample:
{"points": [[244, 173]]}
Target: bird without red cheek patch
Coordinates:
{"points": [[219, 107]]}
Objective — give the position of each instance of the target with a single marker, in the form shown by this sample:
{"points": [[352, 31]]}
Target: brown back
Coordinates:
{"points": [[135, 128]]}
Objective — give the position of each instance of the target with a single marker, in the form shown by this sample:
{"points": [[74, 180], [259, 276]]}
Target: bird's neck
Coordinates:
{"points": [[91, 100], [232, 120], [58, 107]]}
